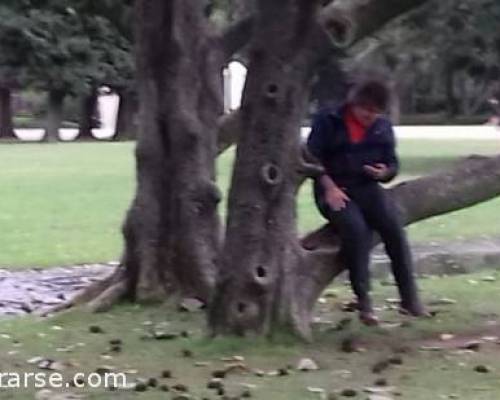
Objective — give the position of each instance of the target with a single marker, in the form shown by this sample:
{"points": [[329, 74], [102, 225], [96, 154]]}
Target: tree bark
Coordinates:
{"points": [[55, 102], [126, 128], [261, 251], [172, 229], [6, 117], [88, 116]]}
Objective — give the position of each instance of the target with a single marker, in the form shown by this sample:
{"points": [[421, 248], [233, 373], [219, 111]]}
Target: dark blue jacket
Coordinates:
{"points": [[343, 160]]}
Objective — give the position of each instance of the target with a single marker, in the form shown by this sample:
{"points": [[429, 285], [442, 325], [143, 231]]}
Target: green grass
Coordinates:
{"points": [[422, 376], [64, 203]]}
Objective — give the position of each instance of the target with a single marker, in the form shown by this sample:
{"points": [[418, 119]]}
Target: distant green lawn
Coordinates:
{"points": [[64, 203]]}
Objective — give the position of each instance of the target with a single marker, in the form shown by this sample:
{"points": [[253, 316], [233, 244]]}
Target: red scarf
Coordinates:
{"points": [[355, 129]]}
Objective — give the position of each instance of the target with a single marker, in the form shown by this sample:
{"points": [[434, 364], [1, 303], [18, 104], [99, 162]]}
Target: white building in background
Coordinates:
{"points": [[108, 103], [234, 81]]}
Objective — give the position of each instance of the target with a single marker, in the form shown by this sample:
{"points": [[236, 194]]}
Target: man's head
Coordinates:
{"points": [[369, 100]]}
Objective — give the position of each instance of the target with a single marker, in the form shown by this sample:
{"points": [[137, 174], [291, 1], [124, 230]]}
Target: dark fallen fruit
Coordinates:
{"points": [[380, 366], [283, 372], [349, 393], [395, 360], [246, 394], [381, 382], [141, 387], [180, 388], [115, 349], [152, 382], [95, 329], [167, 374], [483, 369], [215, 384], [165, 336], [115, 342], [187, 353], [219, 374], [164, 388]]}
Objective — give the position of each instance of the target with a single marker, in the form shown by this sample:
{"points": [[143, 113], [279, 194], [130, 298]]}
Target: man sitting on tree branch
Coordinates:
{"points": [[356, 146]]}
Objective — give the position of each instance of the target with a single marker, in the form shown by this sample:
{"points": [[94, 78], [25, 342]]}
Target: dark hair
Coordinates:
{"points": [[375, 93]]}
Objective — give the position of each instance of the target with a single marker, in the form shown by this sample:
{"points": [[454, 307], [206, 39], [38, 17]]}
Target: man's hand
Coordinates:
{"points": [[377, 171], [336, 198]]}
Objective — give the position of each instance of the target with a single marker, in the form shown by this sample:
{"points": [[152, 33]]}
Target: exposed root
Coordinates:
{"points": [[88, 294], [109, 297]]}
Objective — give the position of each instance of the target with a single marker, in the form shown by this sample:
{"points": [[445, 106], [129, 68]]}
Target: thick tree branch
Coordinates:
{"points": [[229, 131], [237, 36], [348, 21], [474, 180]]}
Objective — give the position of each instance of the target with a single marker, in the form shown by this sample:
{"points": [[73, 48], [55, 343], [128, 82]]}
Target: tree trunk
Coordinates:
{"points": [[88, 116], [255, 289], [6, 118], [55, 104], [451, 99], [172, 228], [126, 128]]}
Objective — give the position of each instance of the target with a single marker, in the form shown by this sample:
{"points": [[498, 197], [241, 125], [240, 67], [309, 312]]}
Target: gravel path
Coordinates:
{"points": [[34, 290]]}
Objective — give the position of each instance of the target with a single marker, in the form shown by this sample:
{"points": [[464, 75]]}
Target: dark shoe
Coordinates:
{"points": [[368, 318]]}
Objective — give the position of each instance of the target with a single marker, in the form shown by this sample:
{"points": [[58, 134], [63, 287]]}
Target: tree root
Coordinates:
{"points": [[96, 295], [109, 297]]}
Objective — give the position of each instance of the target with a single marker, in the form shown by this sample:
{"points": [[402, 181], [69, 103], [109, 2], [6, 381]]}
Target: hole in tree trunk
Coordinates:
{"points": [[340, 29], [261, 272], [271, 174], [242, 307], [272, 90]]}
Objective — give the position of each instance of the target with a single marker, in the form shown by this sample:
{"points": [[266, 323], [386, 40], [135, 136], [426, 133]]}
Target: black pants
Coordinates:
{"points": [[370, 209]]}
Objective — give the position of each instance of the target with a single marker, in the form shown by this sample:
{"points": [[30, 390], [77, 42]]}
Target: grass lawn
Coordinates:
{"points": [[423, 375], [64, 204]]}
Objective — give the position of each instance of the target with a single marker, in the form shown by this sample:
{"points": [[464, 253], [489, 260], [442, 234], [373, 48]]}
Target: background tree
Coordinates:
{"points": [[68, 49], [443, 57], [12, 72]]}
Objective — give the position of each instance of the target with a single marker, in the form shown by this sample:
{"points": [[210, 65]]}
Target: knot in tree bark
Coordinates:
{"points": [[271, 174]]}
